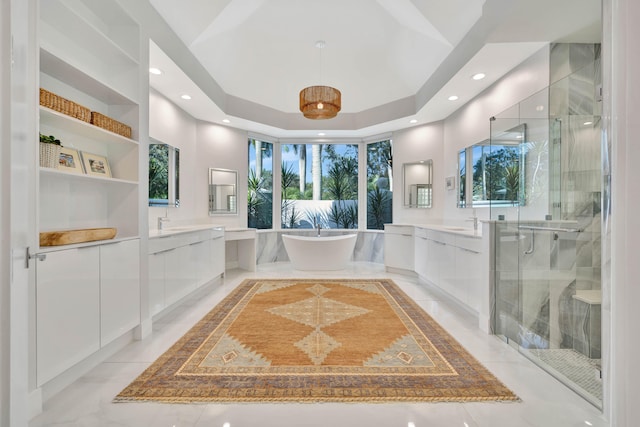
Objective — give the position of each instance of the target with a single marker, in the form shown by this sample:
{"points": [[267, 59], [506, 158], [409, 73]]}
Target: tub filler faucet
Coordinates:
{"points": [[318, 228]]}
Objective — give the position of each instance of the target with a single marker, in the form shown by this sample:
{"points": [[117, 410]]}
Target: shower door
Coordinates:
{"points": [[547, 239]]}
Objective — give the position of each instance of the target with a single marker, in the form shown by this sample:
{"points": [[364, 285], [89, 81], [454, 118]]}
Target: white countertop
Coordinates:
{"points": [[168, 231], [453, 229]]}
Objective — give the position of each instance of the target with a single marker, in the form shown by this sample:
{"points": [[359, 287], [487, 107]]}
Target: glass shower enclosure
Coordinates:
{"points": [[547, 287]]}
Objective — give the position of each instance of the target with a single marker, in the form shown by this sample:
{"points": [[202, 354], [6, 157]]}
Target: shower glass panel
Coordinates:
{"points": [[547, 247]]}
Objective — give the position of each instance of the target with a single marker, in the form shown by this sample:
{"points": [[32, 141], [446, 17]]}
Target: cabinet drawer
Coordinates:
{"points": [[469, 243], [446, 238]]}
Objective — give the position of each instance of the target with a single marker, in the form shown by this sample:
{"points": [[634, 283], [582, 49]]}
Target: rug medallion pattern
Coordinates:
{"points": [[316, 340]]}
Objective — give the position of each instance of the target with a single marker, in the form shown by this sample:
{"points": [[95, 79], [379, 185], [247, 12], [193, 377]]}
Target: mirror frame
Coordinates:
{"points": [[232, 204], [173, 176], [408, 186]]}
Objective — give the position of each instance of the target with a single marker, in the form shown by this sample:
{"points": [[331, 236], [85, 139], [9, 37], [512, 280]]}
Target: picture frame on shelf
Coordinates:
{"points": [[95, 164], [69, 161]]}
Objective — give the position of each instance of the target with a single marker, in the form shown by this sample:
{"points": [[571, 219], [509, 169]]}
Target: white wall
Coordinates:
{"points": [[202, 145], [172, 125], [409, 146], [226, 148], [470, 124]]}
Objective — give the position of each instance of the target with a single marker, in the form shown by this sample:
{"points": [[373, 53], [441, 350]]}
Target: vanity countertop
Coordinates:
{"points": [[169, 231], [462, 231]]}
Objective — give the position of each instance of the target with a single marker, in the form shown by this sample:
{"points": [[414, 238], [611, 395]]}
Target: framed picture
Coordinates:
{"points": [[96, 165], [450, 182], [69, 160]]}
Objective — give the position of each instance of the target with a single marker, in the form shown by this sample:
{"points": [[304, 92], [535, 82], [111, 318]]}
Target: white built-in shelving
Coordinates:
{"points": [[90, 54], [88, 295]]}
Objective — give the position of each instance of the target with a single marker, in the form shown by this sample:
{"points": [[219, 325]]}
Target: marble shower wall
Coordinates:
{"points": [[574, 98]]}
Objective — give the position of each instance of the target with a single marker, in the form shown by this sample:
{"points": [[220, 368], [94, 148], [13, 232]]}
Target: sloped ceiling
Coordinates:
{"points": [[390, 59]]}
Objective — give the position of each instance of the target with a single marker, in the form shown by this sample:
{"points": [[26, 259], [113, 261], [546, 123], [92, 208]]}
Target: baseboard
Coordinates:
{"points": [[34, 404], [56, 385]]}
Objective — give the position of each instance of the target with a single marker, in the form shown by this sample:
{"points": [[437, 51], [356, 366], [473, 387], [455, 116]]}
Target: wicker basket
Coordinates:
{"points": [[49, 155], [110, 124], [63, 105]]}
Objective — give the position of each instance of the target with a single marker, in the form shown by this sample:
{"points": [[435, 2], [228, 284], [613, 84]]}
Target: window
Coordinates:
{"points": [[379, 185], [497, 171], [319, 185], [260, 185]]}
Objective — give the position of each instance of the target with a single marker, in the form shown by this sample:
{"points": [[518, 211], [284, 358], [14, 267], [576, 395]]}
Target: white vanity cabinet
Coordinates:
{"points": [[398, 247], [217, 250], [469, 270], [86, 297], [67, 310], [179, 263], [179, 275], [157, 281], [421, 252], [451, 261], [119, 289]]}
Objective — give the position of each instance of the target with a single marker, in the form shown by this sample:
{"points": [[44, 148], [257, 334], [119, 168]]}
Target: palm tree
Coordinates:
{"points": [[301, 150], [262, 150], [316, 170]]}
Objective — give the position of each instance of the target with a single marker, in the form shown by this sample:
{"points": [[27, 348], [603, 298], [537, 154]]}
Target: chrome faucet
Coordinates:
{"points": [[318, 228], [161, 221]]}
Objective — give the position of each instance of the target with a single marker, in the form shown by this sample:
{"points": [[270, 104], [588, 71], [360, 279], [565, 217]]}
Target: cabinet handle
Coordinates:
{"points": [[161, 252], [216, 238], [439, 243], [468, 250]]}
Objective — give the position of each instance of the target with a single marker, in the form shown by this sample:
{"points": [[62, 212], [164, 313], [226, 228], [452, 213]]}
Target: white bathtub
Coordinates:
{"points": [[319, 253]]}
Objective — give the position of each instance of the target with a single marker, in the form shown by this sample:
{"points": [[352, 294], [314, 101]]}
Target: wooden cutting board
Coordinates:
{"points": [[68, 237]]}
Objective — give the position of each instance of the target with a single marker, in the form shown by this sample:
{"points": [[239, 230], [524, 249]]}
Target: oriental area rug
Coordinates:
{"points": [[303, 340]]}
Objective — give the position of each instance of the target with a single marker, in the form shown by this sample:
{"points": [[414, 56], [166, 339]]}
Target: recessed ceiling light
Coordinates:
{"points": [[412, 121], [156, 71], [479, 76], [321, 134], [226, 121], [453, 98], [185, 96], [587, 123], [540, 108]]}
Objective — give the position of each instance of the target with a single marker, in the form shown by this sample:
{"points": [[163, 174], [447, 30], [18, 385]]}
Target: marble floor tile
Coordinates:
{"points": [[545, 401]]}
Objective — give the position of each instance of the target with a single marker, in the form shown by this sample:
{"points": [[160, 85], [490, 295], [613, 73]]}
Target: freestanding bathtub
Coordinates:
{"points": [[319, 253]]}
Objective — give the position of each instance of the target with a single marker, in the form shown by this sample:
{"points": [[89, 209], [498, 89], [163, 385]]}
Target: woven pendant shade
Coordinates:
{"points": [[320, 102]]}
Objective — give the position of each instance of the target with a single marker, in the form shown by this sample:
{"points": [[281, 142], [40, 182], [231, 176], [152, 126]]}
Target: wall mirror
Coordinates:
{"points": [[496, 167], [164, 174], [222, 191], [418, 184]]}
